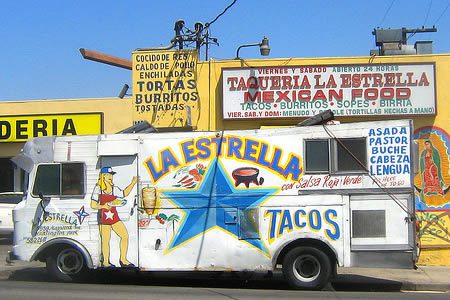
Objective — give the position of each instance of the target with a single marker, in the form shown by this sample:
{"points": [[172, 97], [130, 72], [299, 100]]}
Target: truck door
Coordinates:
{"points": [[117, 221], [381, 234]]}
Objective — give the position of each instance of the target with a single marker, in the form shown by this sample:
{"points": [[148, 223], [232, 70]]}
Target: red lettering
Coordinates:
{"points": [[320, 95], [233, 81], [424, 80], [318, 84], [268, 96], [345, 80], [283, 96]]}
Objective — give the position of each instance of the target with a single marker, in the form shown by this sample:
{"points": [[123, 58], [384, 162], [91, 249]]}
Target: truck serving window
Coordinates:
{"points": [[344, 161], [66, 179], [319, 154]]}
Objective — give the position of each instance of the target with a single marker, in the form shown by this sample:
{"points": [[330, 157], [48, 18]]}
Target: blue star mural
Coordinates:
{"points": [[214, 204], [81, 214]]}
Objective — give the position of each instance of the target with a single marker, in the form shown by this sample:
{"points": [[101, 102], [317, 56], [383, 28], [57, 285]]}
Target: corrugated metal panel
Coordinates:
{"points": [[83, 151], [115, 148], [60, 149]]}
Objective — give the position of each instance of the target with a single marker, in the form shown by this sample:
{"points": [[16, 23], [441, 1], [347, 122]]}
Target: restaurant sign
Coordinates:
{"points": [[20, 128], [164, 86], [348, 90]]}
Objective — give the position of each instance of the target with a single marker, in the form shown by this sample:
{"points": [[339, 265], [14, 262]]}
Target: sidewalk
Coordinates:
{"points": [[425, 278], [349, 279]]}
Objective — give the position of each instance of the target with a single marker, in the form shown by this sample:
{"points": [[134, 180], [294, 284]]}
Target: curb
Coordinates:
{"points": [[437, 287]]}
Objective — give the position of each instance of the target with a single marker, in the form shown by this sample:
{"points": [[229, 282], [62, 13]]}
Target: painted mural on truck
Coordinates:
{"points": [[106, 196], [221, 184], [203, 183], [432, 186]]}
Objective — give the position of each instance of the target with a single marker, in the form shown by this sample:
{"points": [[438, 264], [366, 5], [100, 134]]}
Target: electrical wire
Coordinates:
{"points": [[411, 215], [221, 14], [387, 11], [424, 22], [411, 35], [428, 13], [188, 37], [442, 14]]}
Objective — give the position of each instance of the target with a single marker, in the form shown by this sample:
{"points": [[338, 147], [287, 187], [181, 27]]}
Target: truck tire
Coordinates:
{"points": [[306, 268], [66, 264]]}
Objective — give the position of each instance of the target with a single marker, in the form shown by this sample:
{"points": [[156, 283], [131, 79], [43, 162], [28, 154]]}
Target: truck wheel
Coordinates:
{"points": [[306, 268], [67, 265]]}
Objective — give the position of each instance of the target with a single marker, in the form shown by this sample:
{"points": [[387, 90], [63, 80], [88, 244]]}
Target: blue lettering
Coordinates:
{"points": [[203, 148], [293, 168], [286, 222], [168, 160], [273, 221], [315, 222], [276, 160], [262, 156], [250, 150], [155, 174], [234, 147], [188, 151], [335, 233], [298, 214]]}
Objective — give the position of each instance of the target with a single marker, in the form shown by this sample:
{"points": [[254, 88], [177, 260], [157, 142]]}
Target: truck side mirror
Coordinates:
{"points": [[44, 202], [43, 199]]}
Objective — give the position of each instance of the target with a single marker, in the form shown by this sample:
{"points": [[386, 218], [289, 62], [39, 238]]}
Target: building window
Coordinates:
{"points": [[66, 179], [6, 175], [317, 156]]}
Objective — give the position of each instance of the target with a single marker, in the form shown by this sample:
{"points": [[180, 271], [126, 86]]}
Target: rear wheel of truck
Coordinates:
{"points": [[66, 264], [306, 268]]}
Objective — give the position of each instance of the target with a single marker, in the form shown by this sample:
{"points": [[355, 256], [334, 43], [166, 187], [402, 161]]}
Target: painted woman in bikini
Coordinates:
{"points": [[104, 198]]}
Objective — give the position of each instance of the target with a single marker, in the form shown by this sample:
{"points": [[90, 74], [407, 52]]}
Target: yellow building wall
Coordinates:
{"points": [[116, 114]]}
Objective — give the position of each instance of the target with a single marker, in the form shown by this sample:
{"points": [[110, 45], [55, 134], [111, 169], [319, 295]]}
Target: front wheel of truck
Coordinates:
{"points": [[66, 264]]}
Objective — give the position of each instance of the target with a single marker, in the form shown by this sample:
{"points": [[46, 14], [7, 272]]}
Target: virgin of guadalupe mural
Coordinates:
{"points": [[432, 183], [430, 169]]}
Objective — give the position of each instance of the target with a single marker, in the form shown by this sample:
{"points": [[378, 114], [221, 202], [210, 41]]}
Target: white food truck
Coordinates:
{"points": [[304, 199]]}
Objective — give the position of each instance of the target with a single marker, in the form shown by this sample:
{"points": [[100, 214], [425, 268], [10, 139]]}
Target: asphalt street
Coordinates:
{"points": [[48, 291], [34, 273]]}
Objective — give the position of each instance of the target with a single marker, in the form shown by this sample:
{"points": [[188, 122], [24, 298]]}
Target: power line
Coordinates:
{"points": [[387, 11], [221, 14], [206, 30], [428, 13], [442, 14]]}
